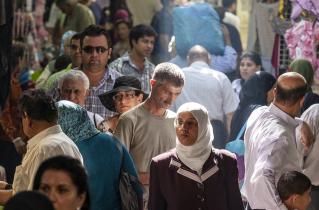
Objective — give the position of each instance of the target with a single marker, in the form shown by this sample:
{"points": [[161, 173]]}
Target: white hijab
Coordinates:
{"points": [[195, 156]]}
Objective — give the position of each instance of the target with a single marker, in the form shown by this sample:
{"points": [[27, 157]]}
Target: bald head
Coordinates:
{"points": [[198, 53], [291, 87]]}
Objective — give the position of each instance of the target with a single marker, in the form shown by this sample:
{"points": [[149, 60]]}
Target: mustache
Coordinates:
{"points": [[167, 102]]}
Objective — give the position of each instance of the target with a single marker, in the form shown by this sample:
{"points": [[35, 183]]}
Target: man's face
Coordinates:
{"points": [[73, 90], [75, 53], [144, 46], [166, 94], [302, 201], [94, 61]]}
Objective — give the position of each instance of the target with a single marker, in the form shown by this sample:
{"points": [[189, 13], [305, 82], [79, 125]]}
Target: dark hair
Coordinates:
{"points": [[73, 167], [140, 31], [96, 30], [289, 97], [62, 62], [126, 21], [292, 182], [253, 56], [76, 36], [17, 52], [221, 12], [39, 105], [228, 3], [165, 2]]}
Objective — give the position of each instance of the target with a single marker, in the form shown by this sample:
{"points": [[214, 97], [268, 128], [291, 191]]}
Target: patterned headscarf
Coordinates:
{"points": [[75, 122], [65, 35]]}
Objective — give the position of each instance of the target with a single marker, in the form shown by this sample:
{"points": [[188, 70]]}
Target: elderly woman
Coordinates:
{"points": [[101, 157], [74, 86], [193, 176], [125, 95]]}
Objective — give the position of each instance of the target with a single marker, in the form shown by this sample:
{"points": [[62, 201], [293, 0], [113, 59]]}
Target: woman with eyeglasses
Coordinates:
{"points": [[125, 95], [193, 175], [123, 28]]}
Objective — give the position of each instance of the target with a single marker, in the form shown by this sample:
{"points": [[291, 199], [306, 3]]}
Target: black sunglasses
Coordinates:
{"points": [[99, 49]]}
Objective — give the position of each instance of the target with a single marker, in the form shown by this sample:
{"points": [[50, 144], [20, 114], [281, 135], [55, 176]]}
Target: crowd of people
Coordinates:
{"points": [[107, 111]]}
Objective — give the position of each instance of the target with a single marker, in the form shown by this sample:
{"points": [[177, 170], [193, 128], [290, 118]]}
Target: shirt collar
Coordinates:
{"points": [[42, 135], [292, 123], [199, 64], [126, 57]]}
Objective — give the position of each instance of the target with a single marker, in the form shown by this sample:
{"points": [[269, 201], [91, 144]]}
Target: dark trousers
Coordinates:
{"points": [[219, 134], [9, 159], [314, 195]]}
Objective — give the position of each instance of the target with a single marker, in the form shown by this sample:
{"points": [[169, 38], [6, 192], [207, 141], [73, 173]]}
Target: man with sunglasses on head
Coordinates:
{"points": [[95, 49], [134, 62], [75, 59]]}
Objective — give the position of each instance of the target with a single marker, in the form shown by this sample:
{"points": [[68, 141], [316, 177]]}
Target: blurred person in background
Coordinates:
{"points": [[143, 10], [12, 144], [123, 28], [230, 17], [65, 181], [100, 18], [62, 63], [118, 15]]}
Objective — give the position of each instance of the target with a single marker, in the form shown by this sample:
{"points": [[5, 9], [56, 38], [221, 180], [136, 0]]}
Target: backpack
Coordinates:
{"points": [[128, 195], [238, 147]]}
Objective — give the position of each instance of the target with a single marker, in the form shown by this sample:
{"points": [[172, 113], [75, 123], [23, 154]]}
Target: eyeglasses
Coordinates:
{"points": [[187, 124], [126, 97], [99, 49]]}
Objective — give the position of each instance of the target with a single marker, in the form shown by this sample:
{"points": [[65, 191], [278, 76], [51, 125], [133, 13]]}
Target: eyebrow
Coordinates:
{"points": [[188, 119]]}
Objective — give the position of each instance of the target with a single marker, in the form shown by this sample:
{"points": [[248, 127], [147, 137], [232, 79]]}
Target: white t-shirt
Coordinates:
{"points": [[98, 119], [232, 19], [237, 87]]}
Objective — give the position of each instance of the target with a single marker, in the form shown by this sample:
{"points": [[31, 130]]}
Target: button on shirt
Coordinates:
{"points": [[270, 151], [208, 87], [225, 63], [92, 102], [48, 143], [310, 160], [125, 66]]}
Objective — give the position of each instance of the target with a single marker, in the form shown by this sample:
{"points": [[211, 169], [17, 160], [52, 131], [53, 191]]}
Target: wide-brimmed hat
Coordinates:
{"points": [[124, 83]]}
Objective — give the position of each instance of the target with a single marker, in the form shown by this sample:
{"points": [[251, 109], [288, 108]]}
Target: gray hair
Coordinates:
{"points": [[169, 72], [74, 75]]}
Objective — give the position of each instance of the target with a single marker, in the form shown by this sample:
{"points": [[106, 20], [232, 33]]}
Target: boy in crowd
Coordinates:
{"points": [[294, 188]]}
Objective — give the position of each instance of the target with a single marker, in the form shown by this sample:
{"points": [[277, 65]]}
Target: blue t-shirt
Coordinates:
{"points": [[98, 14], [102, 159]]}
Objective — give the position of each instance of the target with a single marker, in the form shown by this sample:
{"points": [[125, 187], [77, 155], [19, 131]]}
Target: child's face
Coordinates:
{"points": [[302, 201]]}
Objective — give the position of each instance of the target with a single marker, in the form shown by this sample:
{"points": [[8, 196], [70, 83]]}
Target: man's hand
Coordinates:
{"points": [[306, 136], [3, 185], [20, 146], [226, 35]]}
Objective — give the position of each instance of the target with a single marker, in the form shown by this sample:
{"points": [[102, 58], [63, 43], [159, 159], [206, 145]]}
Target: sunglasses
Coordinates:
{"points": [[99, 49]]}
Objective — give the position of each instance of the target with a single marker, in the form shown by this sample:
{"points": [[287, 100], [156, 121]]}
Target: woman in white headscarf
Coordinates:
{"points": [[193, 175]]}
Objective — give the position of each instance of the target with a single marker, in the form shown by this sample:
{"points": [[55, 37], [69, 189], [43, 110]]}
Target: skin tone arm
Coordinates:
{"points": [[5, 195], [229, 116]]}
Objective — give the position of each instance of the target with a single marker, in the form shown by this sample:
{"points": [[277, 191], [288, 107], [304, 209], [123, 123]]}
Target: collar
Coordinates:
{"points": [[292, 123], [199, 64], [209, 168], [42, 135], [126, 58]]}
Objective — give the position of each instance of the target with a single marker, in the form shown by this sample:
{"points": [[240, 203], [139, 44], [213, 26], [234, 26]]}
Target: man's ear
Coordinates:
{"points": [[275, 91], [294, 198], [140, 98], [87, 92], [28, 119], [153, 82], [301, 101], [110, 52]]}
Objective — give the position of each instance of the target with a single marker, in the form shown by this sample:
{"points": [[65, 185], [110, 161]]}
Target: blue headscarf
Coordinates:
{"points": [[65, 35], [75, 122]]}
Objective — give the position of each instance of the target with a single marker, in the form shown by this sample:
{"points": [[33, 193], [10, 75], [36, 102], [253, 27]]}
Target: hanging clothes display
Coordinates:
{"points": [[301, 41], [261, 36], [310, 6]]}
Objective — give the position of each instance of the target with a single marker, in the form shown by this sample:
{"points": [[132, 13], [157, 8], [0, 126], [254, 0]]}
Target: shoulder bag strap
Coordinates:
{"points": [[244, 126], [132, 178]]}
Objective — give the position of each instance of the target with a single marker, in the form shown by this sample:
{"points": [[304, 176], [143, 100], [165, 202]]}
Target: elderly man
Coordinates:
{"points": [[148, 129], [209, 88], [95, 48], [74, 86], [270, 143], [40, 124], [310, 160], [75, 59]]}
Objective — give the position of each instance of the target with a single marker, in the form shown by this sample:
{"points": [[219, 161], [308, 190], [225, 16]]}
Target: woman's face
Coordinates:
{"points": [[186, 128], [270, 95], [127, 103], [58, 186], [123, 31], [248, 67]]}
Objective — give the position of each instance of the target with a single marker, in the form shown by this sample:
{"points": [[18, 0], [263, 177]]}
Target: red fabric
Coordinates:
{"points": [[274, 59]]}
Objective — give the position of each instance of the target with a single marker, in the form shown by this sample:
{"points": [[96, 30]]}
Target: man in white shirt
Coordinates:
{"points": [[209, 88], [40, 124], [310, 160], [230, 17], [74, 86], [270, 143]]}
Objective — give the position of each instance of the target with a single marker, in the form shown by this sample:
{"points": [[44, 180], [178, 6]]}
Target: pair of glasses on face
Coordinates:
{"points": [[186, 124], [126, 97], [99, 49]]}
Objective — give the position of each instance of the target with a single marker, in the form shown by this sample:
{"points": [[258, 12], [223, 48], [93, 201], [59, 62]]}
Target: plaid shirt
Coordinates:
{"points": [[92, 102], [125, 66]]}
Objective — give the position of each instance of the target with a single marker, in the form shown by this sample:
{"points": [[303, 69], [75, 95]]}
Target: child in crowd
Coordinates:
{"points": [[62, 62], [294, 188]]}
